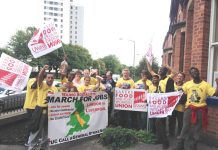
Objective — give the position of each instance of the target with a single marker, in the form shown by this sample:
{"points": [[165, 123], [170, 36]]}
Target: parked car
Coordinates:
{"points": [[11, 100]]}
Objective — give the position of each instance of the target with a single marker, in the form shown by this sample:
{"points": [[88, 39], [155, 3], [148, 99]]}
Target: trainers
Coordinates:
{"points": [[26, 144]]}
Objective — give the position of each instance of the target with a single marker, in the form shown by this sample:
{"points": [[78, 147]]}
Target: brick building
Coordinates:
{"points": [[192, 40]]}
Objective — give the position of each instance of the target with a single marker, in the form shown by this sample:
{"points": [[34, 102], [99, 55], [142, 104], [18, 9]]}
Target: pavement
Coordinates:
{"points": [[91, 143]]}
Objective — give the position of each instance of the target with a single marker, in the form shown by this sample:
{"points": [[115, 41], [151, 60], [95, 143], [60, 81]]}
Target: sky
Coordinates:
{"points": [[106, 22]]}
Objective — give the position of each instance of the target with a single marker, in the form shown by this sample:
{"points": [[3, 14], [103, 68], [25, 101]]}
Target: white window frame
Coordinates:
{"points": [[212, 44]]}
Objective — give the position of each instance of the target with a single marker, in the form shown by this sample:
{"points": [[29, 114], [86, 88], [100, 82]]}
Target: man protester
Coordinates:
{"points": [[195, 115], [143, 83], [126, 117], [166, 84], [110, 85], [69, 86], [39, 125], [153, 88], [30, 101]]}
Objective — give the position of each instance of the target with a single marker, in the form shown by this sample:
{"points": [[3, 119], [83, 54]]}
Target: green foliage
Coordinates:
{"points": [[6, 51], [118, 138], [142, 65], [122, 138], [145, 137], [112, 63], [100, 65], [19, 43]]}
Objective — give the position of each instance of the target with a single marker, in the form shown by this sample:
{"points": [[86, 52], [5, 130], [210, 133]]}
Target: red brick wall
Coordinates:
{"points": [[176, 50], [200, 40], [188, 42], [212, 129]]}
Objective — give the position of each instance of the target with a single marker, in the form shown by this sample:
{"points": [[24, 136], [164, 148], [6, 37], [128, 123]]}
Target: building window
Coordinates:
{"points": [[61, 4], [61, 36], [75, 42], [56, 25], [75, 22], [76, 18], [76, 8], [55, 20], [61, 20], [170, 59], [75, 37], [61, 31], [75, 32], [61, 26], [71, 17], [75, 27], [213, 47]]}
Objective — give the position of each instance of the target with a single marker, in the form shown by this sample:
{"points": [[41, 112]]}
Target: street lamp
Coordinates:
{"points": [[133, 53]]}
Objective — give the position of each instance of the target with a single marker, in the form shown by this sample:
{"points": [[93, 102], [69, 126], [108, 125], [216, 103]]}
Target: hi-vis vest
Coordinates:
{"points": [[162, 85]]}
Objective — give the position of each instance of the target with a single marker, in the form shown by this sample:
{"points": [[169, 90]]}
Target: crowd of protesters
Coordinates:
{"points": [[189, 114]]}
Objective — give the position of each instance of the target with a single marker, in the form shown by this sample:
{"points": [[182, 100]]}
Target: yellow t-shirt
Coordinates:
{"points": [[84, 88], [125, 84], [179, 107], [197, 93], [43, 91], [93, 81], [64, 80], [31, 95], [70, 88], [152, 89], [140, 82], [162, 85]]}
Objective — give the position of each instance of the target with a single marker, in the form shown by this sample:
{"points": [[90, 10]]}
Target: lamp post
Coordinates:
{"points": [[133, 54]]}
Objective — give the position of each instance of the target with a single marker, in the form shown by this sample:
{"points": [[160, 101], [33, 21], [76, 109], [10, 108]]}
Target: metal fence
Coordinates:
{"points": [[12, 104]]}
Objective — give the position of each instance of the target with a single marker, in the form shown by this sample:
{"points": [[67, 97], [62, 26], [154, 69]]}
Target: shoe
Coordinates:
{"points": [[26, 144]]}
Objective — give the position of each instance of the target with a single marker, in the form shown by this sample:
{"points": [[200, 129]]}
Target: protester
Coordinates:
{"points": [[69, 86], [125, 82], [143, 83], [177, 113], [166, 84], [86, 73], [30, 101], [87, 86], [153, 88], [110, 85], [77, 80], [195, 115], [39, 124]]}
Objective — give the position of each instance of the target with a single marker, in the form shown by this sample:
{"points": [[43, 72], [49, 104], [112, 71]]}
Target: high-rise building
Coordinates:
{"points": [[68, 19]]}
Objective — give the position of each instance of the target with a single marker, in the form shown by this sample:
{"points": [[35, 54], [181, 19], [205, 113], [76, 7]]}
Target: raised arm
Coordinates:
{"points": [[173, 72], [41, 74], [150, 68]]}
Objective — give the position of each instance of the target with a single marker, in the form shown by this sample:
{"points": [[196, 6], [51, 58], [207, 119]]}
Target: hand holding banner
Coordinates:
{"points": [[14, 73], [44, 40]]}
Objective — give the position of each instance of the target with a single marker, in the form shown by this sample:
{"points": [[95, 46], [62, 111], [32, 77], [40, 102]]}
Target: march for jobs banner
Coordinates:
{"points": [[130, 99], [72, 116], [162, 104], [44, 40], [14, 73]]}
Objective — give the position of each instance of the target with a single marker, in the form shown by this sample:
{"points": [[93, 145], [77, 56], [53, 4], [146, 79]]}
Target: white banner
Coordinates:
{"points": [[72, 116], [14, 73], [130, 99], [44, 40], [162, 104]]}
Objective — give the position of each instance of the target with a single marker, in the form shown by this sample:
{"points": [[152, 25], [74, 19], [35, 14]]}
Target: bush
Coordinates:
{"points": [[118, 137]]}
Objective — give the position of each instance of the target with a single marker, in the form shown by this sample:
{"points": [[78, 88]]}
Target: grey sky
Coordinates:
{"points": [[105, 22]]}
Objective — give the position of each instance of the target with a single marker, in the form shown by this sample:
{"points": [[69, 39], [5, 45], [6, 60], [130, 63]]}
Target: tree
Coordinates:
{"points": [[142, 65], [6, 51], [19, 43], [100, 65], [112, 63]]}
